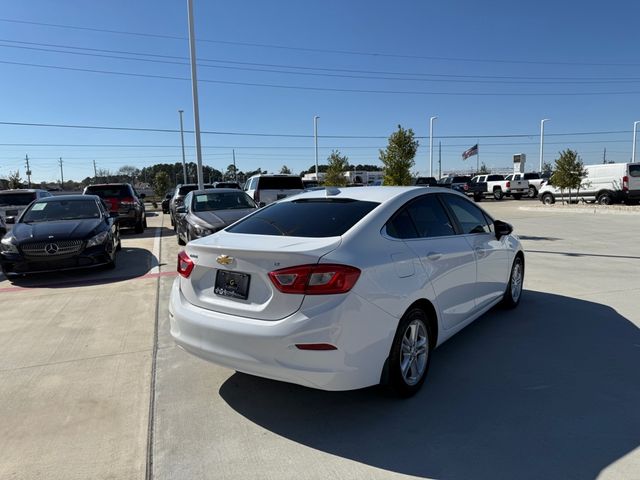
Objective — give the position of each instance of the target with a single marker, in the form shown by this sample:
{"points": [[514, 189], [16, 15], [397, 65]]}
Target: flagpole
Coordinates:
{"points": [[478, 157]]}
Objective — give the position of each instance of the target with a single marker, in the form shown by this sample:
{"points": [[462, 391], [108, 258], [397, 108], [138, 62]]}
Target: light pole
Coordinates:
{"points": [[542, 141], [431, 145], [635, 134], [184, 163], [315, 136], [194, 90]]}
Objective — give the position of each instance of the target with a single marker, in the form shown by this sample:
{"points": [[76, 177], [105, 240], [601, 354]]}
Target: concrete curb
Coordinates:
{"points": [[586, 209]]}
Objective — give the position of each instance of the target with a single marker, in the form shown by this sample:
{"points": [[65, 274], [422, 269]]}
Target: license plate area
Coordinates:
{"points": [[232, 284]]}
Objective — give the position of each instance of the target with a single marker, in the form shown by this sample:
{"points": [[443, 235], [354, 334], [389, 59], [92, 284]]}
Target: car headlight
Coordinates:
{"points": [[99, 239], [7, 245], [202, 230]]}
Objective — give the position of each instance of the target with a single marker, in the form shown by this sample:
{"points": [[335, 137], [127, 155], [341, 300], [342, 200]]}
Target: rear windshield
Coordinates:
{"points": [[314, 217], [184, 189], [11, 199], [227, 185], [461, 179], [61, 210], [109, 191], [222, 201], [634, 170], [531, 176], [280, 183]]}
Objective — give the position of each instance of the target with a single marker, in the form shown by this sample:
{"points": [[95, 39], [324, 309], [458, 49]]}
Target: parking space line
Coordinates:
{"points": [[156, 249]]}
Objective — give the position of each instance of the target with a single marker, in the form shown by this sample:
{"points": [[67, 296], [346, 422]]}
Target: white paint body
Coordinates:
{"points": [[462, 276]]}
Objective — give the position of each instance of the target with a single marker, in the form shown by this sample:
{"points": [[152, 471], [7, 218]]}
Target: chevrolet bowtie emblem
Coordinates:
{"points": [[224, 259]]}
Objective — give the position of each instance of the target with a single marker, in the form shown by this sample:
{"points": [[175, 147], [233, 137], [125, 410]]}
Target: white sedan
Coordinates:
{"points": [[340, 289]]}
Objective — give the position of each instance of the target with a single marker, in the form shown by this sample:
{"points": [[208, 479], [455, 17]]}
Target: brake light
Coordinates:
{"points": [[321, 279], [185, 264], [508, 184], [127, 201], [625, 183]]}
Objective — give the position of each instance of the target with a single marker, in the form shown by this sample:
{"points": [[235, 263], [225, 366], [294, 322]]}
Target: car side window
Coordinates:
{"points": [[430, 218], [401, 225], [470, 217]]}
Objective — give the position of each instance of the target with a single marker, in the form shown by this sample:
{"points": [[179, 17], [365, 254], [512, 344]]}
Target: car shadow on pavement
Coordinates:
{"points": [[149, 232], [130, 263], [550, 390]]}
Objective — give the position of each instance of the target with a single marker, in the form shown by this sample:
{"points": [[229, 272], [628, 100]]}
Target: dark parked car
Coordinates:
{"points": [[426, 182], [165, 202], [227, 185], [3, 228], [177, 199], [122, 198], [455, 182], [206, 211], [61, 233]]}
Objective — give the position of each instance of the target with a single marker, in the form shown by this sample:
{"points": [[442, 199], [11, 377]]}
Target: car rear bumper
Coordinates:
{"points": [[16, 264], [361, 332]]}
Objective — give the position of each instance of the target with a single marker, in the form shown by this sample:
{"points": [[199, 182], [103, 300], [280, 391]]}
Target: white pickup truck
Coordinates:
{"points": [[534, 179], [498, 186]]}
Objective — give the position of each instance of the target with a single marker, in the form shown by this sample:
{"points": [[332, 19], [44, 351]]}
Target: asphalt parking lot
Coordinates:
{"points": [[93, 386]]}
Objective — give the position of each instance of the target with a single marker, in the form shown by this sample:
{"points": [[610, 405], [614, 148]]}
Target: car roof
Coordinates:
{"points": [[214, 190], [105, 184], [379, 194], [23, 190], [69, 197]]}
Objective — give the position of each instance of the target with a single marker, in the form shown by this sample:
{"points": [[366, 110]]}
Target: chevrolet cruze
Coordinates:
{"points": [[341, 289]]}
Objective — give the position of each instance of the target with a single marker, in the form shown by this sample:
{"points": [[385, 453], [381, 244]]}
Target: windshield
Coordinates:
{"points": [[184, 189], [109, 191], [222, 201], [313, 217], [11, 199], [56, 210]]}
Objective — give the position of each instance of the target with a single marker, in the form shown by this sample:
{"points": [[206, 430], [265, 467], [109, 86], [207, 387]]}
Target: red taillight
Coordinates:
{"points": [[318, 347], [625, 183], [508, 184], [127, 202], [185, 264], [322, 279]]}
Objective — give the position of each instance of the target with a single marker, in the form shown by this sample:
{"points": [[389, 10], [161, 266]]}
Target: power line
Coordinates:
{"points": [[328, 89], [367, 76], [320, 50], [292, 135]]}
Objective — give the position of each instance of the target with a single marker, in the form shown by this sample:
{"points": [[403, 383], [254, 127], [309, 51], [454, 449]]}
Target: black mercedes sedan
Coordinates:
{"points": [[206, 211], [61, 233]]}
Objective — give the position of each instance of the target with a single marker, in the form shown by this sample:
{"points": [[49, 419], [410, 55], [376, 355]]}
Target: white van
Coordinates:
{"points": [[268, 188], [604, 183]]}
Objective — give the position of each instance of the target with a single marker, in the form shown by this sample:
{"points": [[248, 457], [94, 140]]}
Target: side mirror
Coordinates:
{"points": [[181, 209], [502, 229], [10, 220], [143, 195]]}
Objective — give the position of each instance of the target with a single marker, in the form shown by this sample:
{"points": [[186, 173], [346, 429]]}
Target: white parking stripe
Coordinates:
{"points": [[156, 250]]}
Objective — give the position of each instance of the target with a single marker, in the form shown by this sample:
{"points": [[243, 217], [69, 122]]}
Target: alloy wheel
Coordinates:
{"points": [[414, 352]]}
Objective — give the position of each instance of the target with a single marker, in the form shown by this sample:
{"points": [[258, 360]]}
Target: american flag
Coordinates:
{"points": [[471, 152]]}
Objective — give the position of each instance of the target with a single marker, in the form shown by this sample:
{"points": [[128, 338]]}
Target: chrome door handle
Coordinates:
{"points": [[433, 256]]}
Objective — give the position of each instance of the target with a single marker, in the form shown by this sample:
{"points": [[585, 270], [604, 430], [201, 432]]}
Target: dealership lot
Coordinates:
{"points": [[90, 378]]}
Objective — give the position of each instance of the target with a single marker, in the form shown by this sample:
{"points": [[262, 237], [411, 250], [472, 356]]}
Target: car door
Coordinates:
{"points": [[491, 254], [446, 257]]}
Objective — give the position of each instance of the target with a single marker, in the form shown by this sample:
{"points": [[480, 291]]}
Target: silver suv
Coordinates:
{"points": [[13, 202], [268, 188]]}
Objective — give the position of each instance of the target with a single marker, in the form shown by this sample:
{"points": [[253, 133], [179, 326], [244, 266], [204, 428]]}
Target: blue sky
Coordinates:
{"points": [[590, 49]]}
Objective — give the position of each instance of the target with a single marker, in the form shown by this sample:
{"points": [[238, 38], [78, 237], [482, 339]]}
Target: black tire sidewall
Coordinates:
{"points": [[508, 300]]}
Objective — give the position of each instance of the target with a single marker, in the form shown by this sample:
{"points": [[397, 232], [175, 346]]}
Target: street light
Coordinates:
{"points": [[194, 90], [315, 137], [184, 163], [635, 134], [431, 145], [542, 141]]}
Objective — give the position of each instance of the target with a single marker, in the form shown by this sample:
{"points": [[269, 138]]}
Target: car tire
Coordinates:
{"points": [[144, 223], [172, 224], [410, 354], [497, 194], [548, 199], [533, 193], [605, 198], [513, 294], [112, 264], [517, 196], [478, 197], [119, 245], [139, 227]]}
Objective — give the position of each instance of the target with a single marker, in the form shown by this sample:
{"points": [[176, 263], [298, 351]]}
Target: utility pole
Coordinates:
{"points": [[235, 170], [61, 175], [194, 90], [315, 136], [604, 155], [431, 145], [26, 158], [95, 171], [439, 160], [542, 141], [184, 163], [635, 134]]}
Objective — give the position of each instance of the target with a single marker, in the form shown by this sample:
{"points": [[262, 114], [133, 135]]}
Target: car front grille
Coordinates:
{"points": [[51, 249]]}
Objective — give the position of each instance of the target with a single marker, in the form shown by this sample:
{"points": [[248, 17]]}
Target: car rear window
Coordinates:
{"points": [[109, 191], [314, 217], [634, 171], [495, 178], [184, 189], [461, 179], [11, 199], [227, 185], [280, 183]]}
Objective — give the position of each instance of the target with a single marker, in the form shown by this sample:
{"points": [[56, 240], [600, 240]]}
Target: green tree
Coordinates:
{"points": [[285, 170], [161, 184], [14, 179], [569, 172], [547, 168], [336, 166], [398, 157]]}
